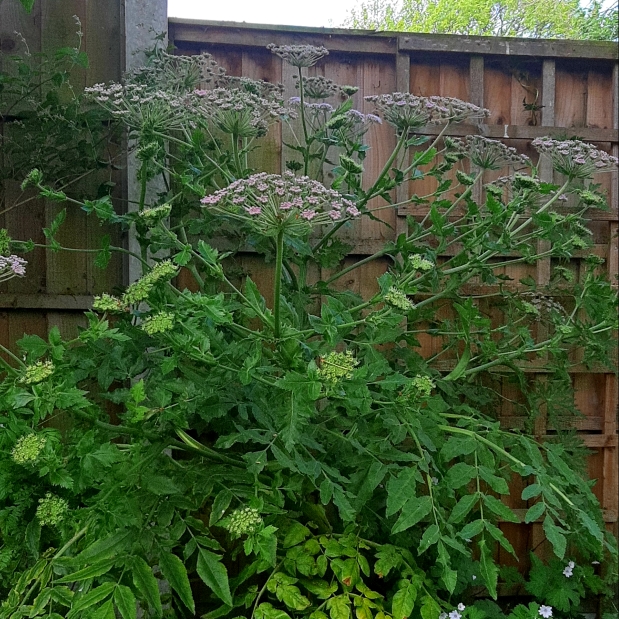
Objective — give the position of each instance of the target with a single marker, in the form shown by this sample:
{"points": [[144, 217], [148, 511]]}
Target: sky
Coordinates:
{"points": [[319, 13]]}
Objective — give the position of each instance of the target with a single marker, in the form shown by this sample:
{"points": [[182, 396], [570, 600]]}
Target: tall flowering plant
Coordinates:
{"points": [[227, 454]]}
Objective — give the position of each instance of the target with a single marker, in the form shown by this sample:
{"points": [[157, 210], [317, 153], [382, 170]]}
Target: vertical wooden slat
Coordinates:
{"points": [[476, 78], [403, 79]]}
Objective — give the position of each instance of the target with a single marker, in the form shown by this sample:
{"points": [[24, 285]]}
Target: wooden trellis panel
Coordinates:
{"points": [[574, 87]]}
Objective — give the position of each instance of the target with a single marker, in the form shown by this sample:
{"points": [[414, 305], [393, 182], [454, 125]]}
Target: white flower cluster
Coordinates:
{"points": [[407, 112], [486, 153], [12, 266], [272, 202], [569, 569], [574, 158], [454, 614], [299, 55], [238, 111]]}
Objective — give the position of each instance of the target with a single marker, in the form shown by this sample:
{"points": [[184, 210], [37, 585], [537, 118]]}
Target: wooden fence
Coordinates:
{"points": [[533, 88]]}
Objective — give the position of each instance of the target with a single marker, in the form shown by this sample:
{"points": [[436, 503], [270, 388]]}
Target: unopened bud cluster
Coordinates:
{"points": [[421, 385], [37, 372], [396, 298], [108, 303], [243, 521], [152, 216], [159, 323], [52, 510], [33, 178], [336, 366], [419, 263], [139, 291], [28, 448]]}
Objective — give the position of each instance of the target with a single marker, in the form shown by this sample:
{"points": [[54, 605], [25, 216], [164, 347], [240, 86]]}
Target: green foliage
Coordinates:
{"points": [[567, 19], [213, 453]]}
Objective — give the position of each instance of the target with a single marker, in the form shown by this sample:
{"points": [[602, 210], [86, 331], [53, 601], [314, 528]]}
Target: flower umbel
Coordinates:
{"points": [[52, 510], [299, 55], [574, 158], [408, 112], [488, 154], [12, 266], [37, 372], [28, 448], [270, 203]]}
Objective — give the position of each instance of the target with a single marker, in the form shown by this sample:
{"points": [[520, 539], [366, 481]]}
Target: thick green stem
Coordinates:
{"points": [[235, 153], [277, 284], [306, 154]]}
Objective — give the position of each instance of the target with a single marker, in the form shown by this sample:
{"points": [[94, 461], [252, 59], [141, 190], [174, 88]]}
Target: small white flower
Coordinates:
{"points": [[571, 565], [454, 614], [545, 611], [435, 481], [595, 562], [461, 607], [474, 577], [567, 572], [442, 616]]}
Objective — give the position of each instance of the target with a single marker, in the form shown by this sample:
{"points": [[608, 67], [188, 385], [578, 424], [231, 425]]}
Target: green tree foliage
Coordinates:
{"points": [[562, 19]]}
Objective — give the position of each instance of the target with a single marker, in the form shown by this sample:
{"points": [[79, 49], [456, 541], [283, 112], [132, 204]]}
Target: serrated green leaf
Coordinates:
{"points": [[459, 475], [555, 537], [214, 575], [404, 601], [531, 491], [499, 508], [463, 507], [146, 583], [125, 602], [412, 513], [91, 598], [98, 568], [534, 512], [430, 608], [175, 573], [220, 505], [399, 490], [339, 607], [472, 529], [295, 535], [487, 568]]}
